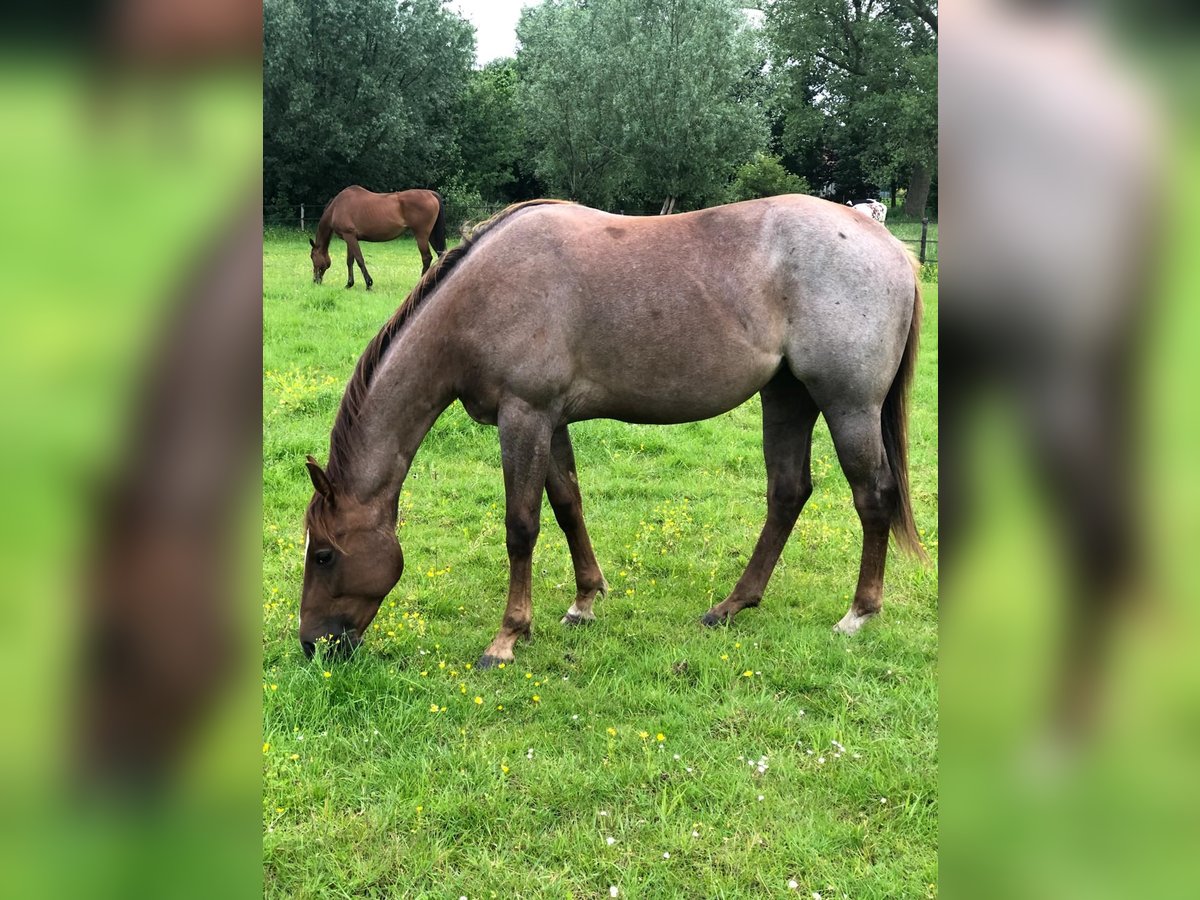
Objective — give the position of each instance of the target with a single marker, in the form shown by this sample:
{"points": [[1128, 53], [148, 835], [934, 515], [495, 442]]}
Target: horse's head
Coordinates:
{"points": [[320, 261], [351, 560]]}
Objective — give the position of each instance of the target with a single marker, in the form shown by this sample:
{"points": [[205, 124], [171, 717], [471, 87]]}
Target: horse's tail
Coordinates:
{"points": [[437, 237], [895, 430]]}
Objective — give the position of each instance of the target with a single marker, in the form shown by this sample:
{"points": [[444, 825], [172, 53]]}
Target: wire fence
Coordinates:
{"points": [[304, 217]]}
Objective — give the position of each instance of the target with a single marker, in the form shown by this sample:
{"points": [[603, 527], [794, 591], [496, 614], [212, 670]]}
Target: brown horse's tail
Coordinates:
{"points": [[895, 432], [437, 237]]}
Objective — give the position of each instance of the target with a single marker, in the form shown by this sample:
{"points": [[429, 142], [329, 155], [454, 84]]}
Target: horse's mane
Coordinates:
{"points": [[360, 382]]}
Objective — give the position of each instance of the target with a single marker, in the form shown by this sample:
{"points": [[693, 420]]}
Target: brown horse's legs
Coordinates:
{"points": [[426, 256], [789, 415], [355, 252], [562, 487], [525, 454], [858, 439], [349, 267]]}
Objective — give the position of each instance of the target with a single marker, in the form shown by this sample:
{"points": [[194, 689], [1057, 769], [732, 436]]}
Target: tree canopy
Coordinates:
{"points": [[623, 104], [857, 90], [634, 101], [365, 92]]}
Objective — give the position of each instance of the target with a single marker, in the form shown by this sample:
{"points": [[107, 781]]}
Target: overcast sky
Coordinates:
{"points": [[495, 24]]}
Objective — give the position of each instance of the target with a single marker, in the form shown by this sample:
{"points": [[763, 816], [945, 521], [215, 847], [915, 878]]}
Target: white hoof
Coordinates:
{"points": [[576, 616], [852, 621]]}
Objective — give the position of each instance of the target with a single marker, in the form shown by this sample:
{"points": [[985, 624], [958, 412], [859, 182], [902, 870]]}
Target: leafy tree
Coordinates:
{"points": [[860, 79], [639, 100], [364, 92], [490, 135], [765, 177]]}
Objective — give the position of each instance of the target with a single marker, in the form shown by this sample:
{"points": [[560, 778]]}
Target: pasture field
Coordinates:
{"points": [[645, 753]]}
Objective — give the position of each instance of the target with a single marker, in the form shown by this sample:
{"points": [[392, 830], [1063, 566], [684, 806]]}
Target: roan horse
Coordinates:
{"points": [[357, 214], [552, 313]]}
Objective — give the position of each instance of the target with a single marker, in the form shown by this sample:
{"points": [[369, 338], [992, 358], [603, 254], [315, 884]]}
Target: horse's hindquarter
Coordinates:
{"points": [[642, 319]]}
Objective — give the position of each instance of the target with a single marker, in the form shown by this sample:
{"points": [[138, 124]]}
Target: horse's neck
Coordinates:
{"points": [[412, 386], [324, 231]]}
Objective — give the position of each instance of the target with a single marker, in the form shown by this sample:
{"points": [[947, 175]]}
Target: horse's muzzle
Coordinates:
{"points": [[339, 646]]}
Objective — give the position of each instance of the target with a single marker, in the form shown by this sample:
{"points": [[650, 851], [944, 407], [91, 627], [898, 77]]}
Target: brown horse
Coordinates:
{"points": [[552, 313], [357, 214]]}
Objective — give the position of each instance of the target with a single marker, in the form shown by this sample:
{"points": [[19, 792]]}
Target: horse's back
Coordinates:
{"points": [[681, 317]]}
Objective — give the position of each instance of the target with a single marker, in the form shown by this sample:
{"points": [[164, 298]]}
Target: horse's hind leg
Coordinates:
{"points": [[858, 439], [562, 487], [525, 435], [789, 415], [356, 252], [426, 256]]}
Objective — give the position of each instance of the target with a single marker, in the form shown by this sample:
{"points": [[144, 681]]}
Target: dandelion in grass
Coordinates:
{"points": [[504, 768], [644, 735], [266, 746], [612, 732], [433, 707], [666, 856], [793, 884], [748, 674], [612, 891], [478, 701], [536, 699], [274, 687]]}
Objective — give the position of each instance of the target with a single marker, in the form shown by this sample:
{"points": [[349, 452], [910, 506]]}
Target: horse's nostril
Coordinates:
{"points": [[309, 648]]}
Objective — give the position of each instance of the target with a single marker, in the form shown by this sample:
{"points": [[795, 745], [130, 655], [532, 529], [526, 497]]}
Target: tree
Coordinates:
{"points": [[765, 177], [639, 100], [860, 79], [490, 135], [365, 92]]}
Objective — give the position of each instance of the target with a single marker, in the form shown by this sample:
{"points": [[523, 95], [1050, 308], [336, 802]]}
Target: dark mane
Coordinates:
{"points": [[360, 382]]}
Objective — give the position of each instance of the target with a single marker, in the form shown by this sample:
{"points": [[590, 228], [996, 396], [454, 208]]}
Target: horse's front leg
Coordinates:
{"points": [[562, 487], [525, 453], [356, 254]]}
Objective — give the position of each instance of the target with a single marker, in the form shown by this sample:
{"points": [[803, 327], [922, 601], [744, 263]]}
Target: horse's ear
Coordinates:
{"points": [[319, 479], [312, 244]]}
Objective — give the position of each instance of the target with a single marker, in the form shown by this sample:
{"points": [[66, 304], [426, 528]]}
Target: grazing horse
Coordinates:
{"points": [[357, 214], [872, 208], [552, 313]]}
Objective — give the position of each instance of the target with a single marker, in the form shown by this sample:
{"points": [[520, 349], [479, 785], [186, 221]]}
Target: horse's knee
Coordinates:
{"points": [[788, 495], [522, 535]]}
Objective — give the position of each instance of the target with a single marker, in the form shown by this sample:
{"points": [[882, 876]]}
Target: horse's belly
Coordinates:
{"points": [[669, 396]]}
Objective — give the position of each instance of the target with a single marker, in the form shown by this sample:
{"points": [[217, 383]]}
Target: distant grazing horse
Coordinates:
{"points": [[357, 214], [872, 208], [552, 313]]}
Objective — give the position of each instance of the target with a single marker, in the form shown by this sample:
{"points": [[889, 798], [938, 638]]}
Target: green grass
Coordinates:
{"points": [[514, 785]]}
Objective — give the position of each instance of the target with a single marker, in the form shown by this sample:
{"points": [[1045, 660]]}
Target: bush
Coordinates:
{"points": [[765, 177]]}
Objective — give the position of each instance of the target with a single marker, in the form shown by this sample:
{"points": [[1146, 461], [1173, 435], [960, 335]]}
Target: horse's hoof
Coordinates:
{"points": [[713, 619], [487, 661], [578, 617], [369, 283], [851, 622], [350, 285]]}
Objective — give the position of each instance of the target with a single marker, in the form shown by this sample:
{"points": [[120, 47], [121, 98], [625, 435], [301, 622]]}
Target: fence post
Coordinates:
{"points": [[924, 234], [301, 216]]}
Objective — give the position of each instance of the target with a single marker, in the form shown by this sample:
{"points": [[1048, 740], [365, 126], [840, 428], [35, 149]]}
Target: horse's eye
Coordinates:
{"points": [[323, 557]]}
